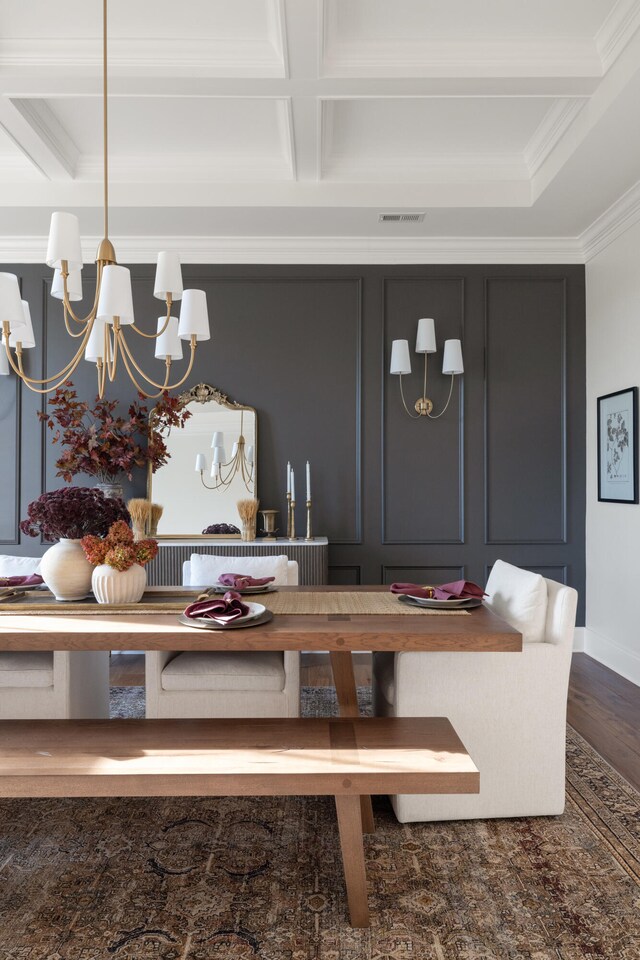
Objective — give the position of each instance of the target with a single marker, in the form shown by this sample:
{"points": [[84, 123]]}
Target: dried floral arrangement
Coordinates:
{"points": [[99, 442], [118, 549], [71, 513]]}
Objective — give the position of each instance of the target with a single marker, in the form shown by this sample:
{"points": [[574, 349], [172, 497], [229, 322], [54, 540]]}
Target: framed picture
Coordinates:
{"points": [[618, 446]]}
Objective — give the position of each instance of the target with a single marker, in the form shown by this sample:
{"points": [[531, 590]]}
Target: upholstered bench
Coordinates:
{"points": [[266, 757]]}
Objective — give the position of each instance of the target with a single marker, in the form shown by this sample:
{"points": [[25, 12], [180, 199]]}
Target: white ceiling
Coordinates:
{"points": [[280, 129]]}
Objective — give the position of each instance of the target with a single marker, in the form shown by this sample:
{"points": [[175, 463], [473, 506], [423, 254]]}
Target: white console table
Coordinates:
{"points": [[312, 556]]}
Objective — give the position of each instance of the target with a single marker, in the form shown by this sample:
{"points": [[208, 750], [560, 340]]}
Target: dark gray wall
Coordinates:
{"points": [[502, 474]]}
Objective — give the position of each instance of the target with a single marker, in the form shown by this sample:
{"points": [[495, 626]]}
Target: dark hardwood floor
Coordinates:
{"points": [[603, 707]]}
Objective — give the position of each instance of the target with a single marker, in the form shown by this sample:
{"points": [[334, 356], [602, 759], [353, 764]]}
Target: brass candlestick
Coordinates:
{"points": [[288, 516], [292, 519], [309, 535]]}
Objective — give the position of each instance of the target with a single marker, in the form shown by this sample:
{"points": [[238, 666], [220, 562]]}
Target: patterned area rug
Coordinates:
{"points": [[236, 879]]}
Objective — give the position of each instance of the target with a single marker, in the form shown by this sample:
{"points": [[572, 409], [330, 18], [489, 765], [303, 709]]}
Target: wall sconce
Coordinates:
{"points": [[426, 344]]}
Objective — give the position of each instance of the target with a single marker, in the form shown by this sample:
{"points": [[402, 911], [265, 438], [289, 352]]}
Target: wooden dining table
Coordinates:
{"points": [[338, 634]]}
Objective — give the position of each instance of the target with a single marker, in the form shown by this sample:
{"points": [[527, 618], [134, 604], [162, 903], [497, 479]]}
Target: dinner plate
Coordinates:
{"points": [[220, 588], [258, 614], [463, 602]]}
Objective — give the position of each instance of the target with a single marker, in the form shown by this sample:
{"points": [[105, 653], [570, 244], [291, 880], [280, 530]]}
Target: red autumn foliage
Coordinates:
{"points": [[101, 443]]}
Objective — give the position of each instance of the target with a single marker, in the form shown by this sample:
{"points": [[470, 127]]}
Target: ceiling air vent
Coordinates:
{"points": [[401, 217]]}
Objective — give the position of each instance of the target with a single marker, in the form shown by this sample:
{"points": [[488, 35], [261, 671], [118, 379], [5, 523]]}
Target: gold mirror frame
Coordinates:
{"points": [[205, 393]]}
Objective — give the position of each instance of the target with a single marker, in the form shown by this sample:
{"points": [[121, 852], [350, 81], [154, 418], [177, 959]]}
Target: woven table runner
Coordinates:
{"points": [[349, 603], [41, 603]]}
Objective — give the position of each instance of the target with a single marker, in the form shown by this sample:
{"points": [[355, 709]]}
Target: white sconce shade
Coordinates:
{"points": [[116, 299], [4, 363], [218, 439], [23, 334], [10, 302], [400, 359], [168, 344], [452, 357], [250, 453], [64, 241], [168, 276], [94, 349], [219, 455], [74, 285], [194, 319], [201, 462], [426, 336]]}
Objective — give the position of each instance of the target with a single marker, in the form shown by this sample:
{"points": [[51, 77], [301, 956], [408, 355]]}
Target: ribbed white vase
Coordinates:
{"points": [[118, 586], [66, 571]]}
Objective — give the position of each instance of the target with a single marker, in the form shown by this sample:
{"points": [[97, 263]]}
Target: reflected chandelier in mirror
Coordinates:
{"points": [[191, 503]]}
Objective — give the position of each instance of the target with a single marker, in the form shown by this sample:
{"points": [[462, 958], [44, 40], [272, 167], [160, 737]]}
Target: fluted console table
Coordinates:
{"points": [[312, 556]]}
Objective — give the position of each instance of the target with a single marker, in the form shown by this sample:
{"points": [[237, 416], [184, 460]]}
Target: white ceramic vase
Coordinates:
{"points": [[118, 586], [66, 571]]}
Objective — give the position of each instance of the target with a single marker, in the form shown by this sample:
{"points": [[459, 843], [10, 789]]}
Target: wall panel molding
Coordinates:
{"points": [[524, 414]]}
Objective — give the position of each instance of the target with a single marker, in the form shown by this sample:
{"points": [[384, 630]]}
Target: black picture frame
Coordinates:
{"points": [[618, 446]]}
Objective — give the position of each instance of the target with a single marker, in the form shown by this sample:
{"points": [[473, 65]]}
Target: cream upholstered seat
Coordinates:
{"points": [[45, 685], [509, 709], [238, 683]]}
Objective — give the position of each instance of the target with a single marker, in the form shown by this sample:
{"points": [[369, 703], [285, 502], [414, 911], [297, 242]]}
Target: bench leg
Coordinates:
{"points": [[345, 684], [350, 828]]}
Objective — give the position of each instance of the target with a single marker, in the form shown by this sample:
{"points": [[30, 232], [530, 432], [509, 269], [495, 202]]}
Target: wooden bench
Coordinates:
{"points": [[345, 758]]}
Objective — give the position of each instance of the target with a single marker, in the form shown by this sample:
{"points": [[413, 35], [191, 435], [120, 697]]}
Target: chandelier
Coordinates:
{"points": [[223, 471], [101, 333], [426, 343]]}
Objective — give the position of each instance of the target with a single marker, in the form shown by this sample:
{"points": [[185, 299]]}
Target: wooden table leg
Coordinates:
{"points": [[345, 684], [350, 827]]}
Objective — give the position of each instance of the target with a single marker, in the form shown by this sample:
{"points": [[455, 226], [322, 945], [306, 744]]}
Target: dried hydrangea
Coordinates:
{"points": [[118, 549]]}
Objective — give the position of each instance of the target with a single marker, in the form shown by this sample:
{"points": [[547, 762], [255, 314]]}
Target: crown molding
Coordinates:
{"points": [[617, 30], [332, 250], [551, 130], [606, 228]]}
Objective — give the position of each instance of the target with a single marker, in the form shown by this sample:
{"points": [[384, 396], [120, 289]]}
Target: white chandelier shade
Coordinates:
{"points": [[94, 350], [194, 318], [11, 310], [116, 297], [168, 343], [64, 245], [74, 285], [168, 276]]}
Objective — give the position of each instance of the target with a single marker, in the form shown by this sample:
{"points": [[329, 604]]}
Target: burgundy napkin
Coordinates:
{"points": [[225, 609], [31, 581], [240, 580], [462, 589]]}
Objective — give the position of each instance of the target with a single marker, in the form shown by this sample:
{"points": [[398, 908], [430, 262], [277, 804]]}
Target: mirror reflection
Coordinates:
{"points": [[212, 466]]}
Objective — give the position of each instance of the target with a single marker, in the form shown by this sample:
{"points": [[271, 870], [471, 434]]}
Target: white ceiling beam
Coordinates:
{"points": [[39, 136], [182, 192], [303, 55], [39, 84]]}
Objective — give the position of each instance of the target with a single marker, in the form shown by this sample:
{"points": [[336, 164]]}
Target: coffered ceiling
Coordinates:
{"points": [[281, 129]]}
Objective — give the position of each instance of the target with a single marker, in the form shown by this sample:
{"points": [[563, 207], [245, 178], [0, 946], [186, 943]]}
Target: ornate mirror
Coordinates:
{"points": [[213, 464]]}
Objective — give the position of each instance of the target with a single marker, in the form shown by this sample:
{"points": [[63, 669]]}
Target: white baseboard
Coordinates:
{"points": [[624, 661], [579, 639]]}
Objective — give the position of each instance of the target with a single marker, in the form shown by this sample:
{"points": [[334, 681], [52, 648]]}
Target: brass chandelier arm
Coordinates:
{"points": [[111, 365], [127, 355], [435, 416], [65, 373], [154, 336], [414, 416], [64, 272], [79, 333]]}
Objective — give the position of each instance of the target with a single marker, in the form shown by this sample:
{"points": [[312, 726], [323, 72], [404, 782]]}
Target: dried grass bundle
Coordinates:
{"points": [[248, 513], [139, 511], [156, 513]]}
